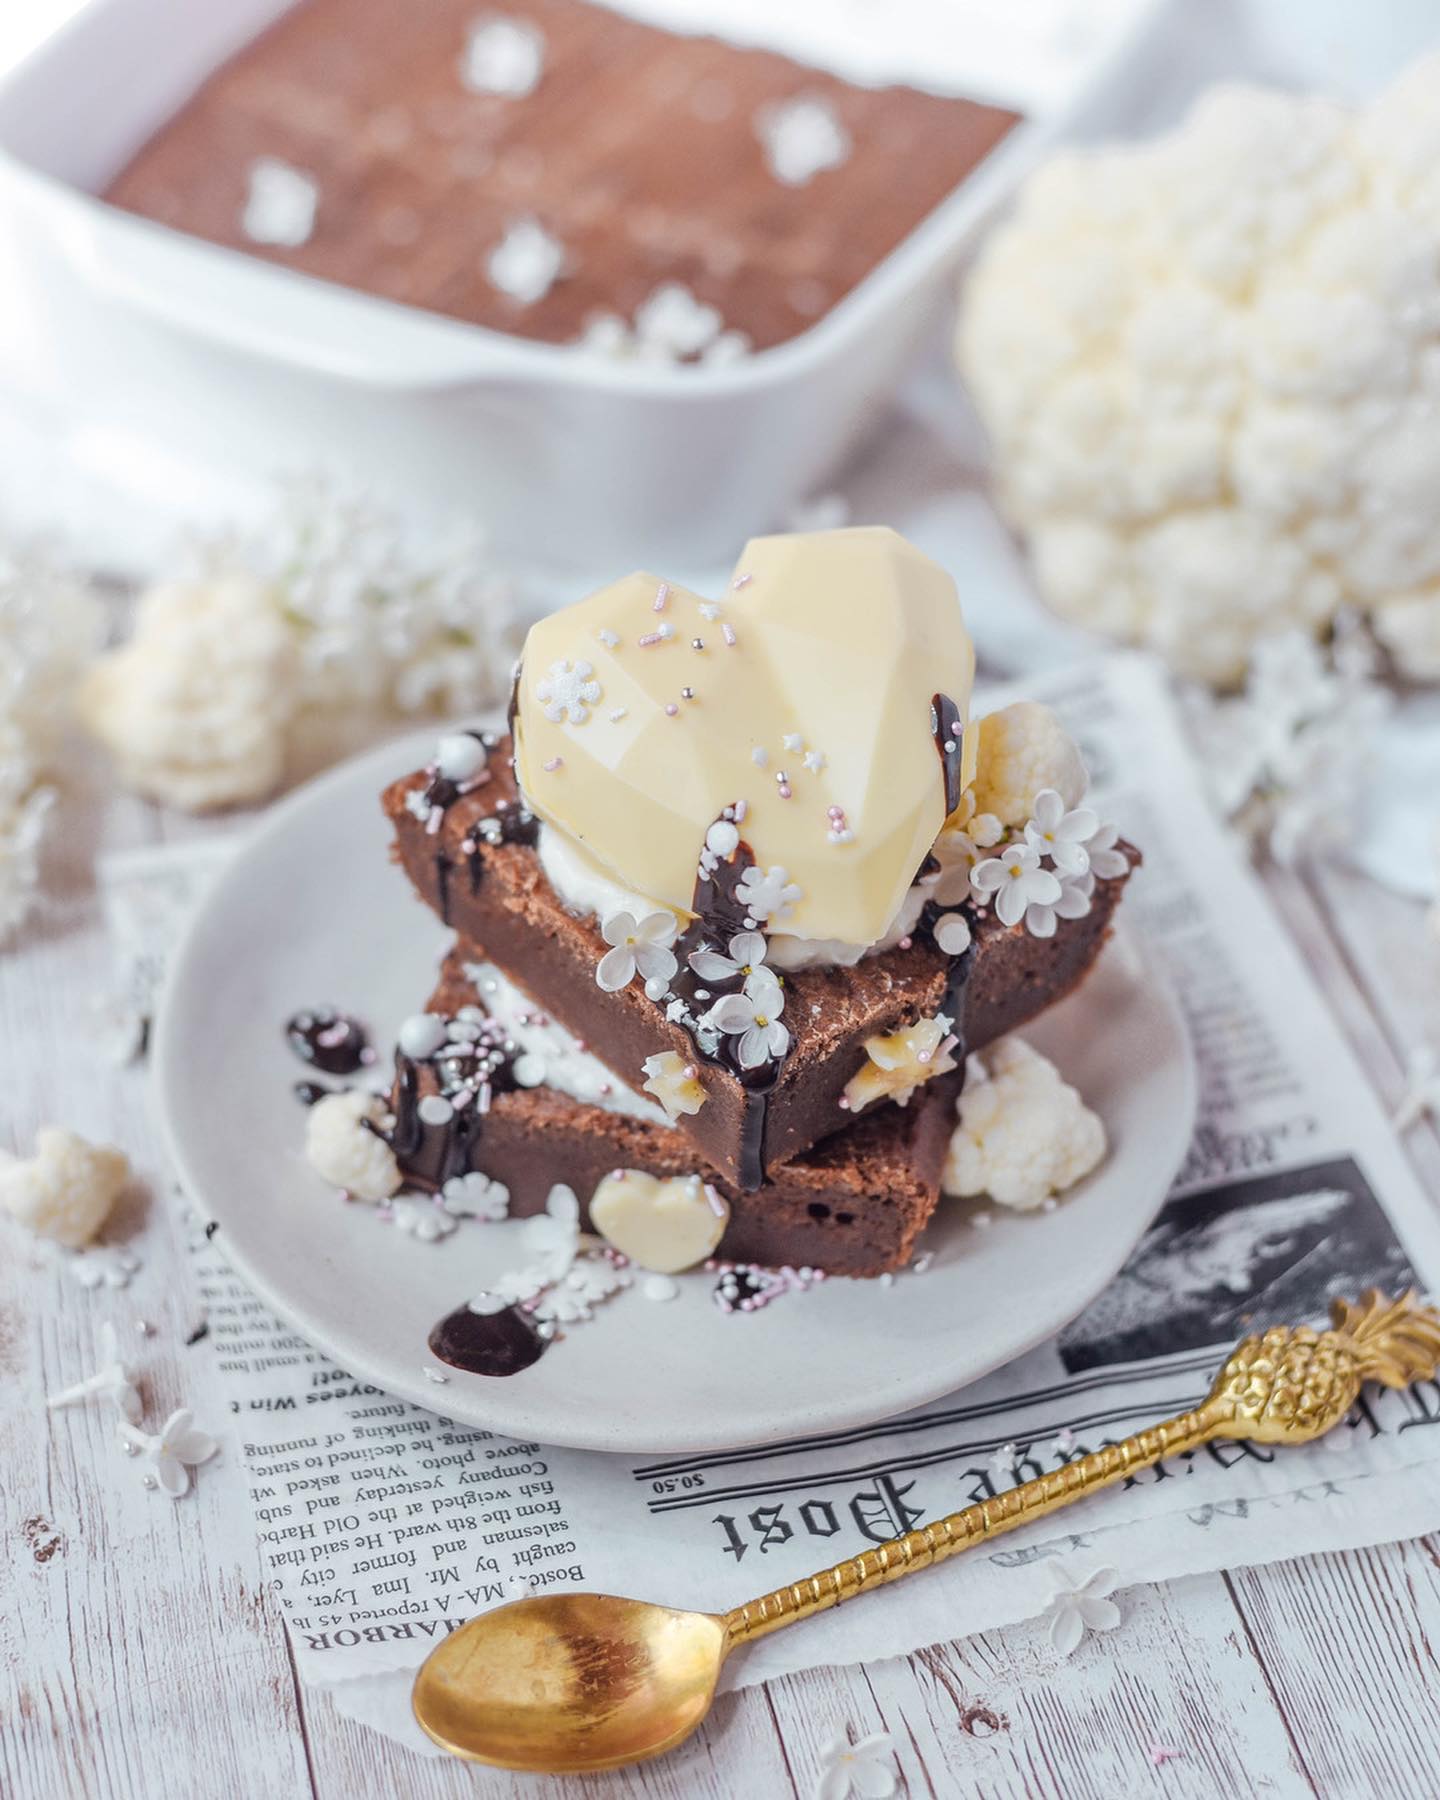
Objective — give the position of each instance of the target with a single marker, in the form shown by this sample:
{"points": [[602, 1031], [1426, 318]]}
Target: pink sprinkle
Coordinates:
{"points": [[905, 943], [784, 790], [555, 762], [949, 1044], [671, 709], [925, 1056], [649, 638], [689, 1071], [432, 824], [467, 847], [740, 809], [740, 581], [1160, 1754], [717, 1205], [843, 1104], [606, 1089], [662, 594], [728, 633]]}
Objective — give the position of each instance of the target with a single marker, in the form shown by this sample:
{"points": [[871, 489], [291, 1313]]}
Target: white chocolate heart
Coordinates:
{"points": [[803, 691], [662, 1225]]}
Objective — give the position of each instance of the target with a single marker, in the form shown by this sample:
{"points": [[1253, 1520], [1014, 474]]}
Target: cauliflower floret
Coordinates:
{"points": [[341, 1147], [195, 707], [66, 1190], [1024, 1134], [1209, 365], [1022, 750]]}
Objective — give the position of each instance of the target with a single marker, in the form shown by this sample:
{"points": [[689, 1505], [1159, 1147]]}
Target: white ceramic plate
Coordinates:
{"points": [[311, 911]]}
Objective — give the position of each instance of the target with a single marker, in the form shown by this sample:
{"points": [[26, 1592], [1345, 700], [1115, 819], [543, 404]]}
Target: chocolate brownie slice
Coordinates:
{"points": [[853, 1205], [497, 896]]}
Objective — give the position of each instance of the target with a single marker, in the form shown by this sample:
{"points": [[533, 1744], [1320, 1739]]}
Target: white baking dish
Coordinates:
{"points": [[182, 356]]}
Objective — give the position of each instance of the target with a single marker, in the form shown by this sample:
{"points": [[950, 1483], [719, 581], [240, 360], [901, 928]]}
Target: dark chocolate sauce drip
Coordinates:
{"points": [[512, 708], [408, 1129], [435, 1152], [499, 1343], [442, 886], [308, 1092], [328, 1040], [947, 728], [719, 915]]}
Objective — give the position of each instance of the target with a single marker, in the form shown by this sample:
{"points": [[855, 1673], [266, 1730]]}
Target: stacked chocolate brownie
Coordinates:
{"points": [[806, 1180]]}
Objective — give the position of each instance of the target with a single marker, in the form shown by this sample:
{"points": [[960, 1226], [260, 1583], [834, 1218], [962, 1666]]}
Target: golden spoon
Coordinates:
{"points": [[566, 1683]]}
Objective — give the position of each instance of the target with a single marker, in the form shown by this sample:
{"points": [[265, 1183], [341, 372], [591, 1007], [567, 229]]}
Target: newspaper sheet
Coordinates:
{"points": [[383, 1526]]}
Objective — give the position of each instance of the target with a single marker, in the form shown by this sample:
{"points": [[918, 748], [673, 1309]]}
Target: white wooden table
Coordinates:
{"points": [[140, 1654]]}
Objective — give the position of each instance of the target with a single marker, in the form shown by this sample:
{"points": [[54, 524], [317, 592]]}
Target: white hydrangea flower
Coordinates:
{"points": [[568, 690], [1016, 880], [178, 1447], [746, 954], [1076, 898], [1061, 834], [637, 947], [754, 1016]]}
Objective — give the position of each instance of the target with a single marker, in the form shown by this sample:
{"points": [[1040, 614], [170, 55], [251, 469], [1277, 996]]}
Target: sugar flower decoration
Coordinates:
{"points": [[112, 1381], [767, 893], [958, 856], [802, 137], [637, 947], [422, 1219], [674, 1083], [902, 1061], [568, 691], [1016, 880], [103, 1265], [553, 1237], [1060, 834], [754, 1016], [178, 1447], [527, 262], [66, 1189], [747, 953], [1105, 860], [280, 204], [477, 1196], [864, 1768], [573, 1297], [1422, 1089], [1078, 1605]]}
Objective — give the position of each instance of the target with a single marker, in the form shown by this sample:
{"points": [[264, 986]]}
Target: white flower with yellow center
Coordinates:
{"points": [[1060, 834], [1016, 880], [637, 946], [754, 1016], [747, 953]]}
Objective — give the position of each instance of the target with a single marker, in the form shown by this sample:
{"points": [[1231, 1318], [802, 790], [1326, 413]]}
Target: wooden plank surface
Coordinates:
{"points": [[143, 1657]]}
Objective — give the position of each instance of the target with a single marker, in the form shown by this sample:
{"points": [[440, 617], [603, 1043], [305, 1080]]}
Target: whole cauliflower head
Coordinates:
{"points": [[341, 1147], [1021, 750], [1209, 366], [196, 706], [1024, 1133], [66, 1190]]}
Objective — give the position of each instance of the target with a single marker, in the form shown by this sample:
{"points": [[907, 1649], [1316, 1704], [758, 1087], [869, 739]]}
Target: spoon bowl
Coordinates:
{"points": [[565, 1683]]}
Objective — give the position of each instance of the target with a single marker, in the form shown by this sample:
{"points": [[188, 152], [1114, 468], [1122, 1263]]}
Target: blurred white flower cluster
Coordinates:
{"points": [[49, 625], [285, 648], [1287, 760]]}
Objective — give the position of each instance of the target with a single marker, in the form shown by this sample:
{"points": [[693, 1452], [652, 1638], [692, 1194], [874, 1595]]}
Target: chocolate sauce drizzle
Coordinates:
{"points": [[329, 1040], [947, 728], [308, 1093], [498, 1343]]}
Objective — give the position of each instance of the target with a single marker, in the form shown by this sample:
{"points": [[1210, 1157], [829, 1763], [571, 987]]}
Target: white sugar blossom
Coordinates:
{"points": [[747, 953], [754, 1016], [637, 947], [1078, 1605], [103, 1265], [802, 137], [1016, 880], [552, 1238], [478, 1196], [527, 262], [767, 893], [1076, 894], [179, 1447], [958, 856], [280, 204], [864, 1768], [503, 56], [422, 1219], [588, 1280], [568, 691], [1060, 834], [112, 1381]]}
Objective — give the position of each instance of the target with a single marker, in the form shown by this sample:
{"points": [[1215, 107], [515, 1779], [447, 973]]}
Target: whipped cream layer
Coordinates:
{"points": [[590, 891], [559, 1060]]}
